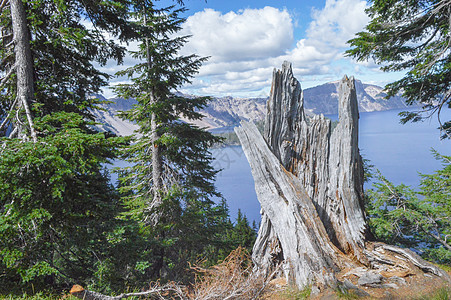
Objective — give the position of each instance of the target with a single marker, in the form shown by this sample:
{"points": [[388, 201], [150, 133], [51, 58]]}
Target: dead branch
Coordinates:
{"points": [[9, 44], [6, 36], [3, 4], [5, 121], [412, 257], [231, 279], [8, 56], [267, 281], [444, 100], [13, 133], [4, 80], [29, 118], [161, 292]]}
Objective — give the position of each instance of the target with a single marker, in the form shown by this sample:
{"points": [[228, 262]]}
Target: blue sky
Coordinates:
{"points": [[247, 39]]}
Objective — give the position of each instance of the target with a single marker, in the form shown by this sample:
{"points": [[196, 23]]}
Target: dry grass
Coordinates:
{"points": [[231, 279]]}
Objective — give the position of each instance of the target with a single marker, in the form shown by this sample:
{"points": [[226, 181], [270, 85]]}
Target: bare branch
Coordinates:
{"points": [[3, 4], [5, 79], [6, 58], [267, 281], [9, 44], [161, 292], [13, 133], [437, 238], [29, 118], [6, 36], [5, 121], [444, 100], [18, 118]]}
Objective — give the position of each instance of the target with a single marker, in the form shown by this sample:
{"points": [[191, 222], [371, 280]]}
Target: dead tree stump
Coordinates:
{"points": [[309, 181]]}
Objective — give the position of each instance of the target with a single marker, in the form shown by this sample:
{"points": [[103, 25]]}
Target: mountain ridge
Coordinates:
{"points": [[226, 112]]}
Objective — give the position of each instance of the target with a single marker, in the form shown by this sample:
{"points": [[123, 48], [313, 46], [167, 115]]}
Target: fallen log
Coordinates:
{"points": [[157, 292]]}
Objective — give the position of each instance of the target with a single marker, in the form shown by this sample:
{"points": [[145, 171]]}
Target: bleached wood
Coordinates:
{"points": [[309, 182], [159, 292], [307, 251]]}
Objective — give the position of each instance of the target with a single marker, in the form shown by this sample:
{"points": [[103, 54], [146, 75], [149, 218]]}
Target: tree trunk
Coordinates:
{"points": [[157, 163], [290, 215], [23, 63], [309, 182], [157, 171]]}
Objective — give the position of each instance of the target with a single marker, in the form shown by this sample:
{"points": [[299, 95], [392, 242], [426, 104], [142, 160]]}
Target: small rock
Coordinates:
{"points": [[370, 279], [389, 286], [348, 285], [315, 291], [398, 280]]}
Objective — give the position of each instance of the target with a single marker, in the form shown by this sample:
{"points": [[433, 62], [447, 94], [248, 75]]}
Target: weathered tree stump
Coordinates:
{"points": [[309, 181]]}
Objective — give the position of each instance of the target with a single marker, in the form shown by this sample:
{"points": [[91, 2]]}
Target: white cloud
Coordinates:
{"points": [[245, 46], [336, 23], [247, 35]]}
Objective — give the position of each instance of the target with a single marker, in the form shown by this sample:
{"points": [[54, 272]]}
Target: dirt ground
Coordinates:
{"points": [[417, 286]]}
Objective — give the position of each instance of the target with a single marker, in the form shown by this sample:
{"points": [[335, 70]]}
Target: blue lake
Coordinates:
{"points": [[399, 151]]}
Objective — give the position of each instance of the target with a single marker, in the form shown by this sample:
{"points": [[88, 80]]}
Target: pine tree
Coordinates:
{"points": [[242, 234], [419, 219], [170, 183], [413, 36], [56, 204], [63, 76]]}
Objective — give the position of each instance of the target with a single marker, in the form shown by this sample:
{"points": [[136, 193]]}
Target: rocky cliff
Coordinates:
{"points": [[227, 112], [108, 119], [323, 99]]}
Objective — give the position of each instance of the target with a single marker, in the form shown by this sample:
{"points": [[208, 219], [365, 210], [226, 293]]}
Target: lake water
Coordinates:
{"points": [[399, 151]]}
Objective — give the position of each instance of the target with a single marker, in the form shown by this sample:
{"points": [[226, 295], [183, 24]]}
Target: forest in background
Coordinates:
{"points": [[62, 221]]}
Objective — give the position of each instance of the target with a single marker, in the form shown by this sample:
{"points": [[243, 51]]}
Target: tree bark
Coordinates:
{"points": [[157, 162], [309, 182], [289, 212], [23, 63]]}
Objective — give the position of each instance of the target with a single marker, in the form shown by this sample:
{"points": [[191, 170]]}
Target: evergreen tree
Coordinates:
{"points": [[57, 207], [419, 219], [412, 36], [242, 234], [63, 51], [170, 183]]}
